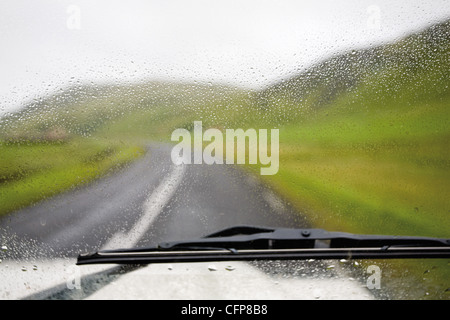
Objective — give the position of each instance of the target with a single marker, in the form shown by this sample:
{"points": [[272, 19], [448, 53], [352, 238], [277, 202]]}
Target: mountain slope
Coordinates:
{"points": [[416, 67], [364, 137]]}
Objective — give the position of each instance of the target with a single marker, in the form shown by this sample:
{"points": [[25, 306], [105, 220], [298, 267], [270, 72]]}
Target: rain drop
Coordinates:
{"points": [[212, 268]]}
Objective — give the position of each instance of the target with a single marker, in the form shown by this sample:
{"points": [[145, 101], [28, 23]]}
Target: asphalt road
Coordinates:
{"points": [[143, 204]]}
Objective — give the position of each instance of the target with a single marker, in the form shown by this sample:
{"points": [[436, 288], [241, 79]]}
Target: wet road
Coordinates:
{"points": [[148, 202]]}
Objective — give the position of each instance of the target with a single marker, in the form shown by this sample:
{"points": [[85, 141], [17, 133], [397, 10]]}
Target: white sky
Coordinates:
{"points": [[48, 44]]}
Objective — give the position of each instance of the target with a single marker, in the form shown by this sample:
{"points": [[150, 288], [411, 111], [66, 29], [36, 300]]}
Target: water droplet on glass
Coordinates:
{"points": [[212, 268], [4, 248], [229, 268], [316, 294], [24, 269]]}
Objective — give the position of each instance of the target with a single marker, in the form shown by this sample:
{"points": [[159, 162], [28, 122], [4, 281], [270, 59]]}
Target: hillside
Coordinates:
{"points": [[84, 109], [365, 136], [414, 68]]}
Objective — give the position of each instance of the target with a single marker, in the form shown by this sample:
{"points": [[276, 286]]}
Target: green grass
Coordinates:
{"points": [[377, 162], [30, 172], [384, 170]]}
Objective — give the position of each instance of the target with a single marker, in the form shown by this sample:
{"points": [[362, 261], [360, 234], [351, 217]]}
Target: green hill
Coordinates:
{"points": [[365, 136]]}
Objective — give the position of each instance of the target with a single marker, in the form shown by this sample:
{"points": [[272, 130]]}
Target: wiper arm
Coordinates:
{"points": [[260, 243]]}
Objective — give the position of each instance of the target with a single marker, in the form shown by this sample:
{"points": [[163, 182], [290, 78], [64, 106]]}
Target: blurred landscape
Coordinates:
{"points": [[364, 136]]}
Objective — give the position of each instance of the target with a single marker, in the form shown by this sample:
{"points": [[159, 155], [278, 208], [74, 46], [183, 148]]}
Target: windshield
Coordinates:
{"points": [[126, 124]]}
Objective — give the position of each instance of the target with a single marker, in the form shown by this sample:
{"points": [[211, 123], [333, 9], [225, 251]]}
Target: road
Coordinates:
{"points": [[148, 202], [145, 203]]}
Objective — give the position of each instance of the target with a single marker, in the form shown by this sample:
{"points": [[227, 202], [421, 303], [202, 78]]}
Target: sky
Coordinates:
{"points": [[48, 45]]}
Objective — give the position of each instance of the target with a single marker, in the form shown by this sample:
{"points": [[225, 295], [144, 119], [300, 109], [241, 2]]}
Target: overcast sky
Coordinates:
{"points": [[47, 45]]}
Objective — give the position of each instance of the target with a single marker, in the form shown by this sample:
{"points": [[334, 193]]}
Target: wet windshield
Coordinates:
{"points": [[129, 124]]}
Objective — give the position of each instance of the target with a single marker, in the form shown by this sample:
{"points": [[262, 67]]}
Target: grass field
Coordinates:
{"points": [[388, 180], [30, 172]]}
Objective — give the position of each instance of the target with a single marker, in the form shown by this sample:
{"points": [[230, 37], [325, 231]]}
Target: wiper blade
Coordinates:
{"points": [[261, 243]]}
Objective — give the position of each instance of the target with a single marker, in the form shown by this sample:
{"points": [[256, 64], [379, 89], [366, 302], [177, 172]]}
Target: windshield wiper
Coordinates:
{"points": [[261, 243]]}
